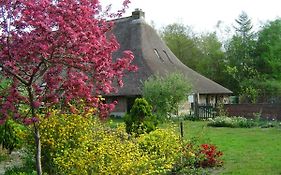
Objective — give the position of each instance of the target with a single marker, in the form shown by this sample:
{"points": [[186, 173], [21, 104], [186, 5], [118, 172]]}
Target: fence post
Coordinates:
{"points": [[196, 109], [181, 129]]}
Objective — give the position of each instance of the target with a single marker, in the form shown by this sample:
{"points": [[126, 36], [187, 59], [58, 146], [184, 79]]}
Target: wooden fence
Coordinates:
{"points": [[206, 111], [267, 111]]}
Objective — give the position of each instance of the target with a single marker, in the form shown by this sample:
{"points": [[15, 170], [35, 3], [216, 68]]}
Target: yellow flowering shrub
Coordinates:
{"points": [[65, 136], [75, 144], [163, 148]]}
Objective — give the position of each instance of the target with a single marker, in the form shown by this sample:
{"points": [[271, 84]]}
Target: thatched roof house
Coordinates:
{"points": [[152, 56]]}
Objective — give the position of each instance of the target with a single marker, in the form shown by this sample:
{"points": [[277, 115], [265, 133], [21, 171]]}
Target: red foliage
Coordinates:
{"points": [[211, 157], [57, 51], [200, 155]]}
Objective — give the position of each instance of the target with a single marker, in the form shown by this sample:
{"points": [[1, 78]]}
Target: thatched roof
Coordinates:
{"points": [[152, 56]]}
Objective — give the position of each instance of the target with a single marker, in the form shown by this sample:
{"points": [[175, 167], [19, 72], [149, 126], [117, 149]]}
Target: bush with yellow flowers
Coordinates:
{"points": [[80, 144], [163, 148]]}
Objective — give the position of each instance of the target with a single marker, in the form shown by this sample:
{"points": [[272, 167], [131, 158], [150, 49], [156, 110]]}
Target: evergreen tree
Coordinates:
{"points": [[240, 59]]}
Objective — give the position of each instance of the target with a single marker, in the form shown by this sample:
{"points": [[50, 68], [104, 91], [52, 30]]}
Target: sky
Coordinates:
{"points": [[202, 15]]}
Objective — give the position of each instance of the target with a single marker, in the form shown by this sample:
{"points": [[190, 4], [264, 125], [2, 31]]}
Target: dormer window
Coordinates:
{"points": [[156, 52], [168, 56]]}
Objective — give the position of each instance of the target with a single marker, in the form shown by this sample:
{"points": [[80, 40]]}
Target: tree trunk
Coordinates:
{"points": [[36, 132], [38, 150]]}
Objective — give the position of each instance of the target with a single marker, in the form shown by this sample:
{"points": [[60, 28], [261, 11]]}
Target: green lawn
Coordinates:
{"points": [[249, 151]]}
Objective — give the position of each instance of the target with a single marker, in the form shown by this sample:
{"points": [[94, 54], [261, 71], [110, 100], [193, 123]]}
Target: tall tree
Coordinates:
{"points": [[240, 57], [181, 40], [203, 53], [212, 63], [55, 51], [269, 49], [268, 60]]}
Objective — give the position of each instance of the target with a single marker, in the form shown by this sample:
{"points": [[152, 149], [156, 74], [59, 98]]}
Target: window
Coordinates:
{"points": [[168, 56], [156, 52]]}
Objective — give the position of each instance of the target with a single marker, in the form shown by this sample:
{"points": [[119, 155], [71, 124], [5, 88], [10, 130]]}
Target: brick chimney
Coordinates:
{"points": [[138, 14]]}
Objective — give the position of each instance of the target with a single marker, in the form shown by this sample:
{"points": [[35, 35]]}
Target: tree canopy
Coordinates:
{"points": [[248, 62], [165, 93], [56, 52], [180, 39]]}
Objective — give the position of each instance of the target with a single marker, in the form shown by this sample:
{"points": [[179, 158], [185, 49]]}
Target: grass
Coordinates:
{"points": [[246, 150]]}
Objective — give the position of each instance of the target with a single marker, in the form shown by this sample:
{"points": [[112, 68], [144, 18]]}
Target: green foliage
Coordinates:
{"points": [[249, 64], [140, 118], [270, 91], [3, 155], [201, 52], [268, 50], [240, 56], [28, 167], [212, 61], [166, 93], [249, 92], [253, 64], [268, 61], [244, 28], [12, 135], [4, 82], [182, 42], [232, 122], [75, 144]]}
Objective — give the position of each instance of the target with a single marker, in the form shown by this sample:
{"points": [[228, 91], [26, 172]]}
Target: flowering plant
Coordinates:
{"points": [[204, 155], [210, 156], [232, 122]]}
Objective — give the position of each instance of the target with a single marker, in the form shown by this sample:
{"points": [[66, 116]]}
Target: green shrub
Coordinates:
{"points": [[12, 135], [140, 119], [163, 147], [65, 140], [27, 168], [232, 122], [75, 144], [165, 93], [192, 117], [3, 155]]}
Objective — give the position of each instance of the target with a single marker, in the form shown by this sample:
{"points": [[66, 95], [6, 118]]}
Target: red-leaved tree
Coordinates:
{"points": [[56, 51]]}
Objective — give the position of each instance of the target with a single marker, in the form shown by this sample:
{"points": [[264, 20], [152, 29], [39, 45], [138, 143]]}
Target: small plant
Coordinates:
{"points": [[232, 122], [209, 156], [140, 119], [3, 155], [12, 135], [196, 157], [192, 117], [221, 110]]}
